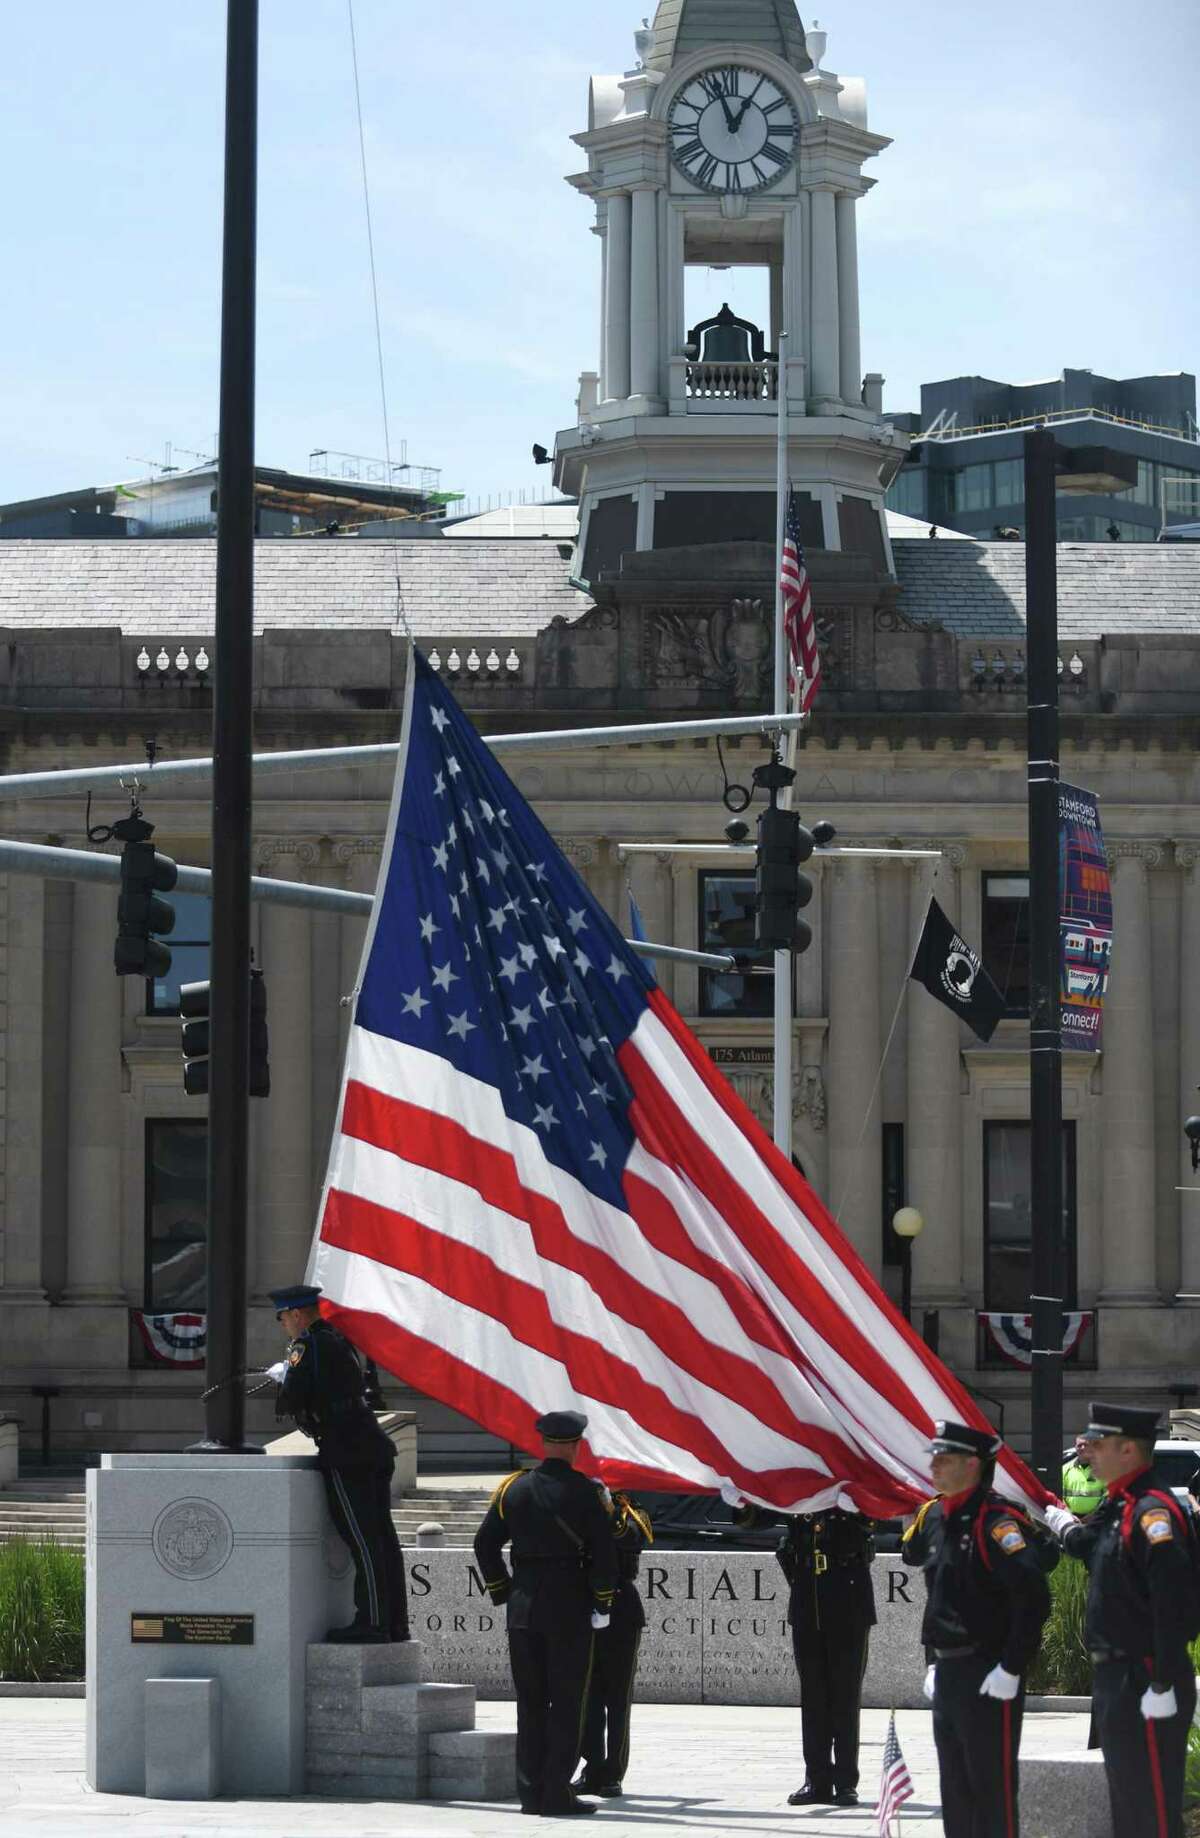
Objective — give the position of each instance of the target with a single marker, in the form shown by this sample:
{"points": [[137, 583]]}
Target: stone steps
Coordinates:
{"points": [[378, 1729]]}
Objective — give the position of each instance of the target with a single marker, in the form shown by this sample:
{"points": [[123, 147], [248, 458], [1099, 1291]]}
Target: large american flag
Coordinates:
{"points": [[895, 1785], [542, 1194], [799, 625]]}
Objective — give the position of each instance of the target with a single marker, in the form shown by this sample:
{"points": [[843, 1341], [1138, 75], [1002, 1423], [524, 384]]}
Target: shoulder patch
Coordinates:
{"points": [[296, 1353], [1008, 1536], [502, 1489], [1157, 1525]]}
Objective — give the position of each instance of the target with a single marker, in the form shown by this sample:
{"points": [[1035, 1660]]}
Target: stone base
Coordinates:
{"points": [[1065, 1796], [183, 1552], [472, 1765], [183, 1738]]}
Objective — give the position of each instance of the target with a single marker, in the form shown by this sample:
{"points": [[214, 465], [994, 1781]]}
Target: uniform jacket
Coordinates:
{"points": [[564, 1559], [826, 1558], [1134, 1593], [631, 1534], [323, 1390], [996, 1604]]}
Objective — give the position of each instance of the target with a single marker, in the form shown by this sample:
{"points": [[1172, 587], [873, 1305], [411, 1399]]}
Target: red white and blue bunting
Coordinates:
{"points": [[1012, 1335], [173, 1340]]}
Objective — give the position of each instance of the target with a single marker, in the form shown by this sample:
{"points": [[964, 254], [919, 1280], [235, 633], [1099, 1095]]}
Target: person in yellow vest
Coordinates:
{"points": [[1082, 1492]]}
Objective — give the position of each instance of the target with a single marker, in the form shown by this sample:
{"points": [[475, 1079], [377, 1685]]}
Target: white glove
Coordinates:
{"points": [[599, 1620], [278, 1371], [1000, 1684], [930, 1680], [1156, 1704], [1060, 1519]]}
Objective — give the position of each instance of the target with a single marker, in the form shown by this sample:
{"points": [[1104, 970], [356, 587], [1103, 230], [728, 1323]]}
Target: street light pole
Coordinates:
{"points": [[1045, 1037], [233, 713]]}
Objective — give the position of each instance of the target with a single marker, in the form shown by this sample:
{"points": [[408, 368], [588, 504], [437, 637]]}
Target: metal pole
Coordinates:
{"points": [[782, 1007], [1045, 1039], [906, 1280], [233, 714]]}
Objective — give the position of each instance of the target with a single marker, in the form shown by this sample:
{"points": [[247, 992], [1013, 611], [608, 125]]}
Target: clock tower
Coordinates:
{"points": [[729, 147]]}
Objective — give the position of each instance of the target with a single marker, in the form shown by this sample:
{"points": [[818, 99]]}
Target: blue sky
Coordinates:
{"points": [[1037, 208]]}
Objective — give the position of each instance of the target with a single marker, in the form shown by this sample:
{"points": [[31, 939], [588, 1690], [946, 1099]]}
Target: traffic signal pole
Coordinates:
{"points": [[782, 1081], [228, 1105]]}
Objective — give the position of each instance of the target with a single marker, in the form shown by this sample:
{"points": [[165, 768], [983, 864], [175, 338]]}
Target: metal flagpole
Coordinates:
{"points": [[783, 959]]}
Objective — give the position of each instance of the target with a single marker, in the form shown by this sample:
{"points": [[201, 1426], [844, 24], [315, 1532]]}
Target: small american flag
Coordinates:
{"points": [[804, 665], [895, 1785]]}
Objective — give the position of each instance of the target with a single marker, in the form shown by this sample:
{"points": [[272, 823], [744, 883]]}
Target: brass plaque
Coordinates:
{"points": [[193, 1630]]}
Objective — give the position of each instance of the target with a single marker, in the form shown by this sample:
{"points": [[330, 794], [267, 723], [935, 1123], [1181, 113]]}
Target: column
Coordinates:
{"points": [[643, 294], [1128, 1268], [94, 1102], [1186, 856], [325, 949], [24, 959], [826, 378], [850, 357], [616, 299], [777, 324], [933, 1131], [652, 887], [855, 1150], [284, 1184], [360, 863], [602, 233]]}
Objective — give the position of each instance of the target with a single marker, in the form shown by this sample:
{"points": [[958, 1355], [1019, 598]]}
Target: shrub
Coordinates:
{"points": [[41, 1611], [1062, 1666]]}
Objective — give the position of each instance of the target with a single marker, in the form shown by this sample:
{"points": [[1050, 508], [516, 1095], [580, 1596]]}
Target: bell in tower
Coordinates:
{"points": [[727, 147]]}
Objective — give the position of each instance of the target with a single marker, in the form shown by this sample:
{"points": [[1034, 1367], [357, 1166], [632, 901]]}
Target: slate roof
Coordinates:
{"points": [[978, 589], [508, 588]]}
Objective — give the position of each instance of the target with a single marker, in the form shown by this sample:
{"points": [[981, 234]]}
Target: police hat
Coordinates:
{"points": [[300, 1295], [561, 1426], [961, 1439], [1121, 1420]]}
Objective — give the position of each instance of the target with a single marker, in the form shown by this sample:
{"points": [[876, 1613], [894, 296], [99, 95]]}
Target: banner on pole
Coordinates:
{"points": [[1085, 918]]}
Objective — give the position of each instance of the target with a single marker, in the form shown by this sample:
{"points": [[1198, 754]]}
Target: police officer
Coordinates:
{"points": [[1082, 1489], [986, 1601], [826, 1558], [321, 1386], [1141, 1595], [560, 1591], [615, 1657]]}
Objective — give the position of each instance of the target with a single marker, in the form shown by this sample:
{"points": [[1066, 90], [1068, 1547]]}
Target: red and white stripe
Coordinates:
{"points": [[800, 627], [720, 1334]]}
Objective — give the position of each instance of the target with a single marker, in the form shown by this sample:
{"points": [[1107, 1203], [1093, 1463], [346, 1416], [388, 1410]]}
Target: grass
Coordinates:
{"points": [[41, 1611], [1062, 1666]]}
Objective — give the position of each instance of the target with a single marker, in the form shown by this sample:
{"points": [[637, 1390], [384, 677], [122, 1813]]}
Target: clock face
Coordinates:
{"points": [[733, 129]]}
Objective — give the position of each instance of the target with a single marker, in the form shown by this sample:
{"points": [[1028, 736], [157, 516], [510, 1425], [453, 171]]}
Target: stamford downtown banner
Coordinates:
{"points": [[1085, 918]]}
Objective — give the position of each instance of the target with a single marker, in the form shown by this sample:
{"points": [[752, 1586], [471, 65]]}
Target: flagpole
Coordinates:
{"points": [[783, 959]]}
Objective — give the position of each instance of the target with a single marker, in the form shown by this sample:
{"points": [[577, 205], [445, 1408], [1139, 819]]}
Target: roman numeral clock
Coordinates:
{"points": [[732, 129]]}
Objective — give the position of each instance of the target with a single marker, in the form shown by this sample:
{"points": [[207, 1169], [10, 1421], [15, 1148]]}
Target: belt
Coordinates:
{"points": [[521, 1563], [954, 1652]]}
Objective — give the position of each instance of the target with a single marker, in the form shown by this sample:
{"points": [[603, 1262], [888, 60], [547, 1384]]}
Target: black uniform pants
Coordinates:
{"points": [[977, 1741], [1144, 1761], [609, 1701], [360, 1502], [550, 1676], [831, 1662]]}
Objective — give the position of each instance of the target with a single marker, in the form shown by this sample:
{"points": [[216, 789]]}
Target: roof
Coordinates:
{"points": [[905, 527], [978, 588], [157, 586], [556, 520], [684, 26]]}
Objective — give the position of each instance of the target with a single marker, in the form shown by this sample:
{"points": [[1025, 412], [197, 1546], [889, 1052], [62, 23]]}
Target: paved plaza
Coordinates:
{"points": [[694, 1769]]}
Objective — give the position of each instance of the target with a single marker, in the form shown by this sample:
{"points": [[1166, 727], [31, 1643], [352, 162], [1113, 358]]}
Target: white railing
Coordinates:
{"points": [[728, 382]]}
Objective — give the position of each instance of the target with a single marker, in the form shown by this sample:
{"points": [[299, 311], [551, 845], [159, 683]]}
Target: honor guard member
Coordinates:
{"points": [[321, 1386], [560, 1590], [615, 1656], [986, 1601], [826, 1558], [1139, 1548]]}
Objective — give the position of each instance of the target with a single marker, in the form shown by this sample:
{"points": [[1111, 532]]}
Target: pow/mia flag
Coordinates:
{"points": [[952, 972]]}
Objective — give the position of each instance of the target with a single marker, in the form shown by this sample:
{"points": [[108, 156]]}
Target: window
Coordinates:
{"points": [[1146, 489], [176, 1214], [906, 493], [973, 488], [1006, 938], [1007, 1247], [727, 924], [1010, 482], [188, 945], [893, 1193], [611, 530]]}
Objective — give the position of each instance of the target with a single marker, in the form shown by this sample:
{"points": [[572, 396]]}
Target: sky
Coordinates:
{"points": [[1037, 209]]}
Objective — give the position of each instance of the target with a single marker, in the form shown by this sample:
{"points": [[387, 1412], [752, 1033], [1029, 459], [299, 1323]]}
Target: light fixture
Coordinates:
{"points": [[472, 659], [202, 660], [512, 663], [143, 659], [492, 661], [182, 660], [162, 661], [453, 662], [907, 1222]]}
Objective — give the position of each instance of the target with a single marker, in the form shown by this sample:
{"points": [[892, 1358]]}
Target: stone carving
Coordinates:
{"points": [[835, 644], [268, 850], [756, 1089], [891, 619], [741, 644], [192, 1539], [726, 647], [1187, 854], [1134, 849], [581, 855]]}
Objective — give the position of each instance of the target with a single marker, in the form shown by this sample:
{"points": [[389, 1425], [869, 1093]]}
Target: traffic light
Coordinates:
{"points": [[193, 1015], [780, 889], [140, 914], [194, 1041]]}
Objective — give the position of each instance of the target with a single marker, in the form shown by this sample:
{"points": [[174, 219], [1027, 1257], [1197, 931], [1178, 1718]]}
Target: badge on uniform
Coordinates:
{"points": [[1157, 1526], [295, 1356], [1007, 1534]]}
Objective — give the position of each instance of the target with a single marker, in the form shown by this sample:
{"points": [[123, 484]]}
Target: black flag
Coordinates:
{"points": [[952, 972]]}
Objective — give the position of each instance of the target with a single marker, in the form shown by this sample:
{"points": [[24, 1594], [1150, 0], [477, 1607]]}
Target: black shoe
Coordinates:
{"points": [[531, 1811], [813, 1796], [568, 1809], [358, 1634], [845, 1796], [399, 1634], [607, 1790]]}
